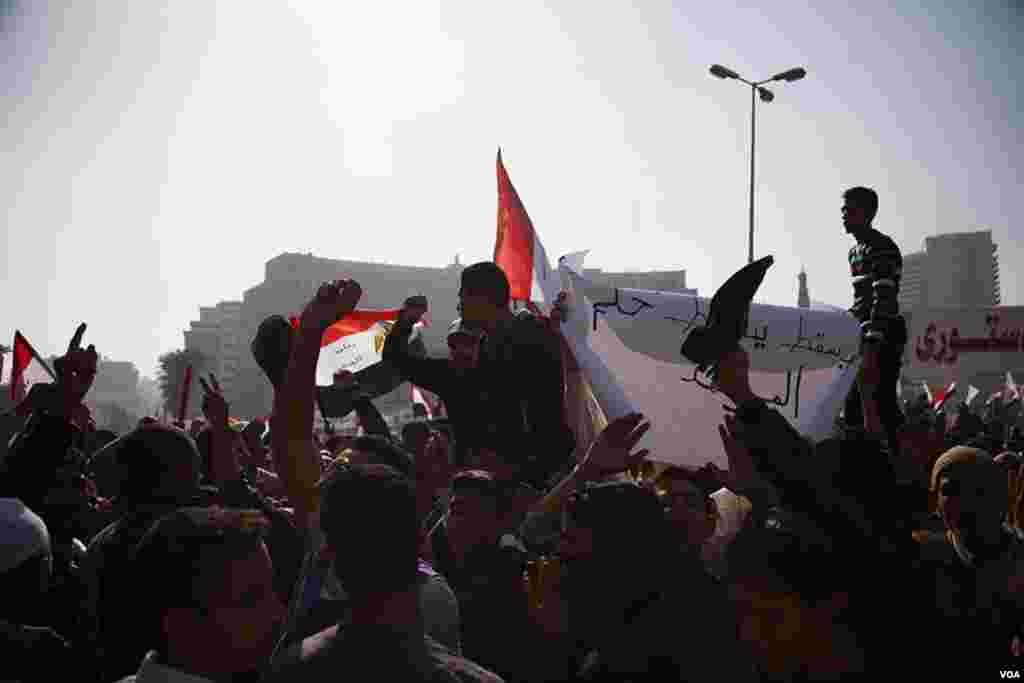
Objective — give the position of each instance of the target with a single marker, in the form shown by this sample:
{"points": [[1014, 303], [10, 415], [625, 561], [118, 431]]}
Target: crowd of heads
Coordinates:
{"points": [[666, 571]]}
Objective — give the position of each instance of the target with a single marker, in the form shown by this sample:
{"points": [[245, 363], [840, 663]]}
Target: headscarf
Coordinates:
{"points": [[976, 468]]}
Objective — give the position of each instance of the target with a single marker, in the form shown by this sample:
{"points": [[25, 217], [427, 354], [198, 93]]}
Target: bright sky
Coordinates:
{"points": [[157, 154]]}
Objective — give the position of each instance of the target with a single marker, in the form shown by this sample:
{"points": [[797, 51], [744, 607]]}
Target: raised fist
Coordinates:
{"points": [[333, 301]]}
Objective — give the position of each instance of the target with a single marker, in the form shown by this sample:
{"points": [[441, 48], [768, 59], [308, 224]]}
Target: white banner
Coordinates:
{"points": [[684, 416], [778, 338]]}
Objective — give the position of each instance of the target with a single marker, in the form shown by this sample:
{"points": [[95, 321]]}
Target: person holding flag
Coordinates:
{"points": [[503, 383]]}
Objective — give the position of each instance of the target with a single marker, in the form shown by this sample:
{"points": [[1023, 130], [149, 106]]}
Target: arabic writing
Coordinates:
{"points": [[938, 346], [814, 344], [707, 380], [759, 337], [600, 306]]}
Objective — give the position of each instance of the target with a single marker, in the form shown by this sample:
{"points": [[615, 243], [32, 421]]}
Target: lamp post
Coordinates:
{"points": [[766, 95]]}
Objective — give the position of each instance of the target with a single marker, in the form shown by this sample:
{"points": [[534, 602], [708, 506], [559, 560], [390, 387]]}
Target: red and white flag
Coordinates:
{"points": [[355, 343], [518, 250], [940, 398], [27, 368], [419, 397]]}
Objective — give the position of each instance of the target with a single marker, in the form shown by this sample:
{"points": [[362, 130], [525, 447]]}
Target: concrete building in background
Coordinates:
{"points": [[218, 336], [660, 281], [291, 279], [955, 270], [116, 384]]}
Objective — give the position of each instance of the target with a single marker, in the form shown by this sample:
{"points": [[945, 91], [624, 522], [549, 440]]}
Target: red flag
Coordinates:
{"points": [[517, 249], [27, 368]]}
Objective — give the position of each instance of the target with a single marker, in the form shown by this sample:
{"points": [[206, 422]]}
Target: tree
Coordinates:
{"points": [[115, 418], [172, 374]]}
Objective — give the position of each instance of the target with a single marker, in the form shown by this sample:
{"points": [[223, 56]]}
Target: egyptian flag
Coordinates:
{"points": [[518, 250], [942, 396], [27, 368], [356, 343]]}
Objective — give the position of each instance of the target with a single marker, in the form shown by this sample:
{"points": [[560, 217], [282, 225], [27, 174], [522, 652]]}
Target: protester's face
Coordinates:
{"points": [[961, 502], [463, 351], [690, 511], [473, 520], [476, 309], [854, 217], [238, 632]]}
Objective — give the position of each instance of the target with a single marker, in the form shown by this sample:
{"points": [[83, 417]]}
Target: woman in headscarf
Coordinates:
{"points": [[976, 568]]}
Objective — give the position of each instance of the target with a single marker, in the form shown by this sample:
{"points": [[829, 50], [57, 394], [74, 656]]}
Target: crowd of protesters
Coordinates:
{"points": [[519, 541]]}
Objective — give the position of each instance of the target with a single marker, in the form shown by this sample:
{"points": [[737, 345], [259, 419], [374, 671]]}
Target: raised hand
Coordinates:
{"points": [[612, 451], [733, 378], [215, 406], [76, 370], [433, 468], [332, 302], [559, 311]]}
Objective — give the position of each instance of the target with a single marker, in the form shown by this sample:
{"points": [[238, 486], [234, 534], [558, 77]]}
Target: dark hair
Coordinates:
{"points": [[385, 452], [863, 198], [621, 514], [156, 461], [699, 478], [415, 430], [789, 552], [23, 588], [487, 279], [183, 556], [369, 515]]}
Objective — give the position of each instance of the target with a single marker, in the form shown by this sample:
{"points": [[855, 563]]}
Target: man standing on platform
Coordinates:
{"points": [[876, 265]]}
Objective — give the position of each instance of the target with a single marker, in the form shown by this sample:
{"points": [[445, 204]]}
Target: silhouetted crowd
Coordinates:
{"points": [[518, 539]]}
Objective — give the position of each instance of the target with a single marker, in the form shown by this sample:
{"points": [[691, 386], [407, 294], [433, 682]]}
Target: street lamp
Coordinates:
{"points": [[766, 96]]}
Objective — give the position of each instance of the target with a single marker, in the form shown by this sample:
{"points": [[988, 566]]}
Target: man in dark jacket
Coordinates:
{"points": [[514, 398], [876, 266]]}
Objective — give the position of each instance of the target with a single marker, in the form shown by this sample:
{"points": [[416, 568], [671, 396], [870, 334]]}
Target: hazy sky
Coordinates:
{"points": [[156, 155]]}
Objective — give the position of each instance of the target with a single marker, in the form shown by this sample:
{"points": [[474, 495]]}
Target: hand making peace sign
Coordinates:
{"points": [[215, 406]]}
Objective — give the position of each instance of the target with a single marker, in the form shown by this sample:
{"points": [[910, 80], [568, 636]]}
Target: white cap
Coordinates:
{"points": [[23, 534]]}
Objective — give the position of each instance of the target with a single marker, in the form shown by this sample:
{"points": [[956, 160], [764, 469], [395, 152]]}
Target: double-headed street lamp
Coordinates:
{"points": [[766, 96]]}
